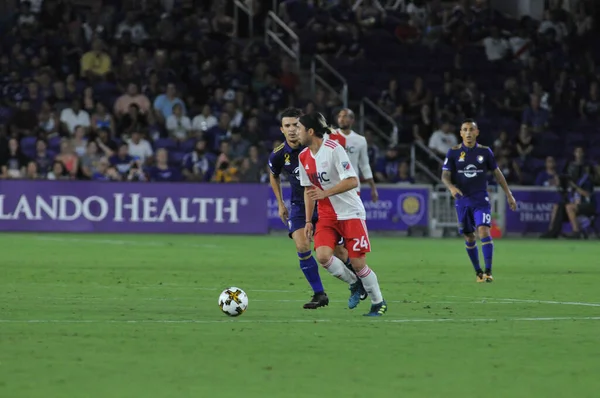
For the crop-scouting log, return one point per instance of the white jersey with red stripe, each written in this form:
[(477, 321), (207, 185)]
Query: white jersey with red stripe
[(358, 153), (325, 169), (337, 137)]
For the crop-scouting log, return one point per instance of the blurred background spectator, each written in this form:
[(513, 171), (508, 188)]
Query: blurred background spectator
[(167, 91)]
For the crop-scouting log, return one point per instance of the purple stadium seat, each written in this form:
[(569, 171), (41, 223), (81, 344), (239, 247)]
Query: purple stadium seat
[(187, 146), (165, 143), (28, 144), (54, 143)]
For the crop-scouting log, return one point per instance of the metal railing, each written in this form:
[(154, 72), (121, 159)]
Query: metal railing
[(390, 137), (418, 151), (247, 9), (315, 78), (272, 34)]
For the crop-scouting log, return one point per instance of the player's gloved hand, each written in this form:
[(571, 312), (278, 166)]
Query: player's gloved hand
[(308, 231), (283, 214), (512, 203), (456, 193)]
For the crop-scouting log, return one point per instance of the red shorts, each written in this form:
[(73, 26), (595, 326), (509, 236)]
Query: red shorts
[(354, 232)]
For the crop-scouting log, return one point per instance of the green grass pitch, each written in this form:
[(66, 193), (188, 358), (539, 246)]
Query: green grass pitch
[(107, 316)]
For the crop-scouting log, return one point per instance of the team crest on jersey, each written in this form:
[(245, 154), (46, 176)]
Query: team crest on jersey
[(462, 157), (286, 157), (346, 165), (480, 159)]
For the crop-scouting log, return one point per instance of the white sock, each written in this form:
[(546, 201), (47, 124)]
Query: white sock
[(371, 284), (336, 267)]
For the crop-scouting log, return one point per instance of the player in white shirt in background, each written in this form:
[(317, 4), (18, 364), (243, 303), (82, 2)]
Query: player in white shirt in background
[(357, 150), (329, 178)]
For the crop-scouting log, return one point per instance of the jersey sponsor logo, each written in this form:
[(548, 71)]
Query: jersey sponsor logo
[(470, 171), (480, 159), (286, 157), (461, 158), (297, 173), (318, 178), (346, 165)]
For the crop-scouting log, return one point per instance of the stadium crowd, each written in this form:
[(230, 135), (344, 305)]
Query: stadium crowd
[(169, 92)]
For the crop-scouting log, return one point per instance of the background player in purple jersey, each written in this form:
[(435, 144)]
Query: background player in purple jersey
[(285, 159), (465, 175)]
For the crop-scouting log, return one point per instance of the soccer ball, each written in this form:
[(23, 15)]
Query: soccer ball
[(233, 301)]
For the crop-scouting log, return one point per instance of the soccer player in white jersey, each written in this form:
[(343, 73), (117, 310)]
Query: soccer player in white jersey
[(329, 178), (357, 149)]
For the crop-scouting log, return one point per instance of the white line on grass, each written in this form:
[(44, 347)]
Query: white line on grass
[(120, 242), (385, 320), (515, 300)]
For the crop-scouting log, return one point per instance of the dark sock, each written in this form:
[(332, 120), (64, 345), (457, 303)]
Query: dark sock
[(473, 255), (348, 265), (487, 248), (309, 267)]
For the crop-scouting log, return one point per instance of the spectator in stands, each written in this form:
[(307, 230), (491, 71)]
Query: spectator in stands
[(43, 158), (496, 47), (31, 173), (88, 102), (370, 14), (96, 64), (524, 142), (589, 106), (391, 97), (24, 120), (122, 160), (132, 121), (179, 126), (417, 97), (48, 122), (162, 172), (106, 145), (387, 167), (132, 97), (239, 145), (446, 104), (403, 176), (75, 116), (535, 116), (225, 170), (513, 101), (252, 167), (549, 176), (68, 158), (90, 160), (58, 172), (503, 146), (14, 164), (521, 46), (133, 27), (164, 103), (204, 121), (79, 142), (198, 165), (442, 140), (139, 148), (510, 169), (218, 133)]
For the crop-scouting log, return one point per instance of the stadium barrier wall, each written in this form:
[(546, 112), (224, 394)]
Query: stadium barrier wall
[(534, 209), (87, 206), (81, 206)]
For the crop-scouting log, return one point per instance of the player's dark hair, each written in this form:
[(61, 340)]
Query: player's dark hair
[(290, 112), (317, 122), (469, 120)]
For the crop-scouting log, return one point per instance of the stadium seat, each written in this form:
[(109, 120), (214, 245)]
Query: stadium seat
[(166, 143), (28, 144), (188, 145)]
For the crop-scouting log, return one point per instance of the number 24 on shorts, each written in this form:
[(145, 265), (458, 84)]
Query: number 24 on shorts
[(360, 244)]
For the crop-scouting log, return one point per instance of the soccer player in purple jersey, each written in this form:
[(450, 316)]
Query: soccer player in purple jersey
[(465, 175)]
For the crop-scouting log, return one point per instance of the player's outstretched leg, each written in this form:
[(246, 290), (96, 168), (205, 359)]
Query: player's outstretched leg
[(310, 269), (487, 248), (371, 284), (334, 265), (473, 252), (341, 253), (311, 273)]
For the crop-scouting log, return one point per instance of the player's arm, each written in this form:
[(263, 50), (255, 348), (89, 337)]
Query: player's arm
[(365, 169), (499, 176), (447, 170), (275, 181)]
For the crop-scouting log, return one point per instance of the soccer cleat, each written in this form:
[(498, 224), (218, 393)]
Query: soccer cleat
[(355, 291), (487, 277), (480, 277), (363, 293), (317, 300), (378, 309)]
